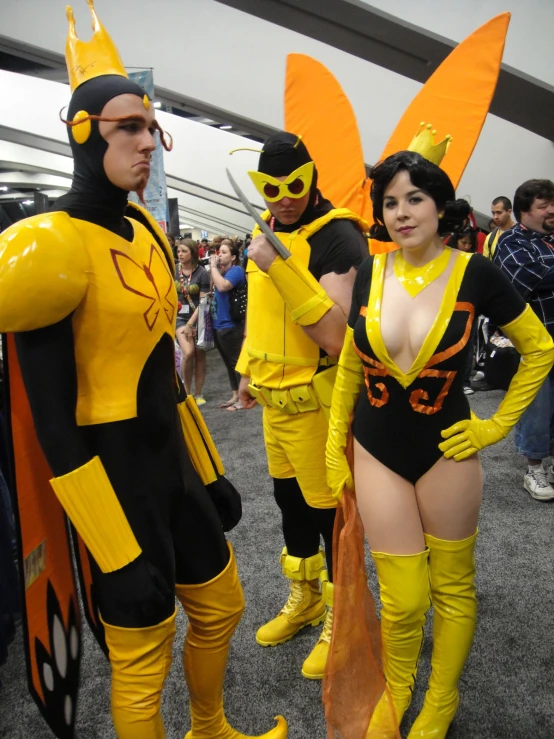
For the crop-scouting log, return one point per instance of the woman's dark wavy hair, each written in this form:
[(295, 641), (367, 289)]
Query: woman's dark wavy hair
[(427, 177)]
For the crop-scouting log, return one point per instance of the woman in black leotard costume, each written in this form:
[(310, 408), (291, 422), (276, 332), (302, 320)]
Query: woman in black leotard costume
[(417, 475)]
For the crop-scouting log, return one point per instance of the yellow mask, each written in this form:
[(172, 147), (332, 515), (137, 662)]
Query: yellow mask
[(295, 186)]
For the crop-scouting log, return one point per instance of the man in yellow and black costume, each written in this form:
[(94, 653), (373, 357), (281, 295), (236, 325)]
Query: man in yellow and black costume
[(96, 359), (296, 321)]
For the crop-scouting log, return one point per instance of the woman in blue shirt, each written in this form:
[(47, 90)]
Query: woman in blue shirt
[(226, 275)]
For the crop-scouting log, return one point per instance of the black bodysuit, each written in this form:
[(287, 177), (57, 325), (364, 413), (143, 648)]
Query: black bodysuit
[(400, 416)]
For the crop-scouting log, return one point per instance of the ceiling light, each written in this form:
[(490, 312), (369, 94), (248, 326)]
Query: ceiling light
[(226, 128), (157, 104), (3, 188), (27, 202)]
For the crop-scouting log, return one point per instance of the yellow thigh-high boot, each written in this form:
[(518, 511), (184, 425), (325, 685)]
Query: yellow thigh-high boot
[(214, 610), (404, 589), (452, 568), (140, 660)]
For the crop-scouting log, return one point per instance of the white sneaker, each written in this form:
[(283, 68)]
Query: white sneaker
[(550, 473), (468, 390), (537, 485)]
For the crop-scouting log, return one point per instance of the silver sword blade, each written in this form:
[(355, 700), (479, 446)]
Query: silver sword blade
[(253, 213)]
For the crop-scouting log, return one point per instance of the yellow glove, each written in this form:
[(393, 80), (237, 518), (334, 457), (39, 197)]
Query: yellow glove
[(350, 378), (535, 345)]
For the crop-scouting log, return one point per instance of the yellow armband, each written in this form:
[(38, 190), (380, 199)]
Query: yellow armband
[(89, 500), (43, 272), (306, 299), (200, 446)]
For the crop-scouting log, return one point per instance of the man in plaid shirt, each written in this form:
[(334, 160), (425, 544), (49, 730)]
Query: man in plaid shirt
[(525, 254)]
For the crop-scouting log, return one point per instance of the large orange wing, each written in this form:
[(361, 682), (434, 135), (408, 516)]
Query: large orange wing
[(455, 100), (317, 108), (457, 96)]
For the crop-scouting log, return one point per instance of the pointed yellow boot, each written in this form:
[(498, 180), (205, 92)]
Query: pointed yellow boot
[(214, 610), (404, 589), (304, 607), (140, 661), (314, 665), (452, 567)]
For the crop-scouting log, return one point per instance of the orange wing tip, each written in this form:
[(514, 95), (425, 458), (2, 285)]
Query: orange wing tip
[(424, 143)]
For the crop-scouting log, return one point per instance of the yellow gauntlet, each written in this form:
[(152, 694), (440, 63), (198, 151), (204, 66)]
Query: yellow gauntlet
[(535, 345), (350, 379), (306, 299), (200, 446), (89, 500)]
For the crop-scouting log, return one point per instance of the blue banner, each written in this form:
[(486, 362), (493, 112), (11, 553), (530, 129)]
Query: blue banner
[(155, 194)]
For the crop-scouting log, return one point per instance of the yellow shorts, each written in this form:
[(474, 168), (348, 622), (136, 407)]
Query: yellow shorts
[(295, 446)]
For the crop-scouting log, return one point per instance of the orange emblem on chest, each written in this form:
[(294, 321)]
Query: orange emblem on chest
[(152, 281)]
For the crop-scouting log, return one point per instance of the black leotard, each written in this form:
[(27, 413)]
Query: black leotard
[(399, 418)]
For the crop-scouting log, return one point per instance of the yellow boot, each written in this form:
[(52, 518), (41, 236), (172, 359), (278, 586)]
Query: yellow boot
[(452, 568), (304, 607), (404, 589), (140, 661), (314, 665), (214, 609)]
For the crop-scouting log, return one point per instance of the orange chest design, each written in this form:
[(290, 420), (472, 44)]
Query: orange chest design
[(151, 281), (130, 303), (419, 399)]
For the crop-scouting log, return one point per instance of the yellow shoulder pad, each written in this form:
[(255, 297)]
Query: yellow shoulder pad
[(43, 272)]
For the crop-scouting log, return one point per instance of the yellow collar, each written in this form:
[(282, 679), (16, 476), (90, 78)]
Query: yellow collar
[(415, 279)]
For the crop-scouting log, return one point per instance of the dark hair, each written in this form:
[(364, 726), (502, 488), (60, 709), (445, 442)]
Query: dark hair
[(429, 178), (192, 246), (506, 202), (527, 193), (455, 238)]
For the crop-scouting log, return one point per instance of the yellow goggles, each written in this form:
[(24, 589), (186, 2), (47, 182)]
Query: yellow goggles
[(295, 186)]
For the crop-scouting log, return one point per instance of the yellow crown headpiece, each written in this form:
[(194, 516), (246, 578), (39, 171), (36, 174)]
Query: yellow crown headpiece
[(88, 59), (424, 143)]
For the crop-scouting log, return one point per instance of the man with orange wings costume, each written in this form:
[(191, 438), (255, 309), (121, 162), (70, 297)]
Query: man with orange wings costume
[(103, 432), (456, 99)]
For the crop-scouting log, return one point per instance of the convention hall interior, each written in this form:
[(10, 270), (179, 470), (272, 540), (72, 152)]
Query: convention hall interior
[(219, 71)]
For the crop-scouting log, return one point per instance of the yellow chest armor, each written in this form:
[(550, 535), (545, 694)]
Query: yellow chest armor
[(281, 355), (129, 304)]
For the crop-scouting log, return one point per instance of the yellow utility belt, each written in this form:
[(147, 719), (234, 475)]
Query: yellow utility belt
[(291, 361), (301, 398)]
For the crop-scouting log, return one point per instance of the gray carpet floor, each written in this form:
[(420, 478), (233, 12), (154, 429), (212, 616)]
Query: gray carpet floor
[(507, 688)]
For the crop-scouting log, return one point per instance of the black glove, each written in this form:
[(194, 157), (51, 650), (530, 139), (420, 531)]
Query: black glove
[(227, 500), (137, 595)]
